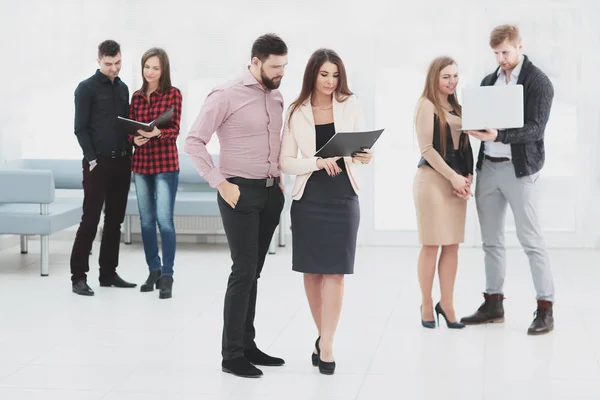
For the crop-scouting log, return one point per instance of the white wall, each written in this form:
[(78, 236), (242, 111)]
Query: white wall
[(49, 46), (208, 42)]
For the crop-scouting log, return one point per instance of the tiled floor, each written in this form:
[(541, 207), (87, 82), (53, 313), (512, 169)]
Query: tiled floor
[(126, 345)]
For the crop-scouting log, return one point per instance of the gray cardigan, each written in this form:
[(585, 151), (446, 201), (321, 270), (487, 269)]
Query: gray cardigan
[(527, 143)]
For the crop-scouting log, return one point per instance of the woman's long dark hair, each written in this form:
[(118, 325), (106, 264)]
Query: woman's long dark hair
[(315, 62), (164, 83)]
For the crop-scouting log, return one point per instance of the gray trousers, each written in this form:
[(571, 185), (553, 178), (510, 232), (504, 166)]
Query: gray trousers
[(497, 186)]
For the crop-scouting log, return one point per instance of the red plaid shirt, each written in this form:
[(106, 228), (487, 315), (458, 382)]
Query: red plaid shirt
[(159, 154)]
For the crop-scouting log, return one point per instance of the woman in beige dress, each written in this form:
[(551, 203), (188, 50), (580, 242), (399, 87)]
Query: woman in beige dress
[(441, 188)]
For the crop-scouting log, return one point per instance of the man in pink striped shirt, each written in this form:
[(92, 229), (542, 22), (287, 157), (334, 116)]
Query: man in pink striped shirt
[(247, 115)]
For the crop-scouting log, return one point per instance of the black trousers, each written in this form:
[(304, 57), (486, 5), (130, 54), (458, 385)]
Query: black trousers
[(249, 229), (107, 185)]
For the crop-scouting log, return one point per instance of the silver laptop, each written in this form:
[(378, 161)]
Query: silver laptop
[(494, 107)]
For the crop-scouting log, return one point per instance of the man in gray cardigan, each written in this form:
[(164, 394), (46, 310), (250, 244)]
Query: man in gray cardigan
[(507, 171)]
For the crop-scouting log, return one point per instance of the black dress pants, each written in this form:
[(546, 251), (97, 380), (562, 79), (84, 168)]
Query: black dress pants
[(107, 185), (249, 229)]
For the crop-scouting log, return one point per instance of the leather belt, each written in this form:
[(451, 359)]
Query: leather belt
[(116, 154), (268, 182), (496, 159)]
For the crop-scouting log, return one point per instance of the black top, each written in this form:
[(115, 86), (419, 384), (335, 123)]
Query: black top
[(527, 143), (460, 160), (98, 102), (324, 133)]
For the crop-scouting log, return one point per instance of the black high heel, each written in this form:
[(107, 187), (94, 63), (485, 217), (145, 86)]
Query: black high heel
[(315, 357), (451, 325), (326, 368), (151, 282), (427, 324)]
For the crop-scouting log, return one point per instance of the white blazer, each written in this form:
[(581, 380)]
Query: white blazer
[(299, 134)]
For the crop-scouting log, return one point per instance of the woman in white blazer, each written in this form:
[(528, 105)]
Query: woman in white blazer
[(325, 212)]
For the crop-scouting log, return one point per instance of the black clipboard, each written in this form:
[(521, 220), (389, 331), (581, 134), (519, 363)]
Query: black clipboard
[(131, 126), (345, 144)]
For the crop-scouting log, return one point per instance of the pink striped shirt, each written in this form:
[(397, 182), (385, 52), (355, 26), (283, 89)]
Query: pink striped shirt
[(248, 121)]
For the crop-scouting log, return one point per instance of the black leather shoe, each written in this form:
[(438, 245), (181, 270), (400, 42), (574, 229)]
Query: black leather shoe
[(152, 281), (257, 357), (82, 288), (240, 367), (492, 310), (544, 320), (116, 281), (165, 284)]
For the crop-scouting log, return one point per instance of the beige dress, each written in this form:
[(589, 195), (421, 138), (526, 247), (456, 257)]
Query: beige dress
[(440, 213)]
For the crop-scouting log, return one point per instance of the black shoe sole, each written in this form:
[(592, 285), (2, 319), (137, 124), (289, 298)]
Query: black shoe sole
[(487, 321), (273, 364), (268, 365), (327, 372), (532, 333), (121, 287), (83, 293), (227, 370), (165, 296)]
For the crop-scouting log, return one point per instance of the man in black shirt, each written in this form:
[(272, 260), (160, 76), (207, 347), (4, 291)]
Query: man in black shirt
[(106, 168)]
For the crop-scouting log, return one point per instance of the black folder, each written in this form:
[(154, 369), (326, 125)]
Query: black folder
[(345, 144), (127, 125)]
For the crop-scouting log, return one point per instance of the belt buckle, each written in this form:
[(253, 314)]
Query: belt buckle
[(270, 182)]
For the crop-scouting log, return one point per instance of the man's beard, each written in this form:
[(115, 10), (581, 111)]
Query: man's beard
[(269, 83), (511, 66)]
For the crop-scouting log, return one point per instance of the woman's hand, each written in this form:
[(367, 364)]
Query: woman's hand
[(468, 193), (464, 195), (140, 140), (364, 157), (329, 165), (149, 135), (461, 185)]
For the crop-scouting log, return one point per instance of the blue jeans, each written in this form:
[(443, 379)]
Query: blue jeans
[(156, 201)]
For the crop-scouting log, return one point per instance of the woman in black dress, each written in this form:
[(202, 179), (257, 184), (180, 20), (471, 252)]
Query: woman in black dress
[(325, 212)]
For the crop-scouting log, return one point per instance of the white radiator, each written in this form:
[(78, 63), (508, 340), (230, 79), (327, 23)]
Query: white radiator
[(202, 230), (189, 225)]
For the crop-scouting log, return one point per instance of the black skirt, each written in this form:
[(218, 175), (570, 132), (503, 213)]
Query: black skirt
[(325, 225)]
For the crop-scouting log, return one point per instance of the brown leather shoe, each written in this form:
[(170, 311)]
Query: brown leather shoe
[(490, 311), (544, 320)]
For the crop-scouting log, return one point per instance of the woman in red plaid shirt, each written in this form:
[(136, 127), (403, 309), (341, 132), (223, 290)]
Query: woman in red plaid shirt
[(155, 165)]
